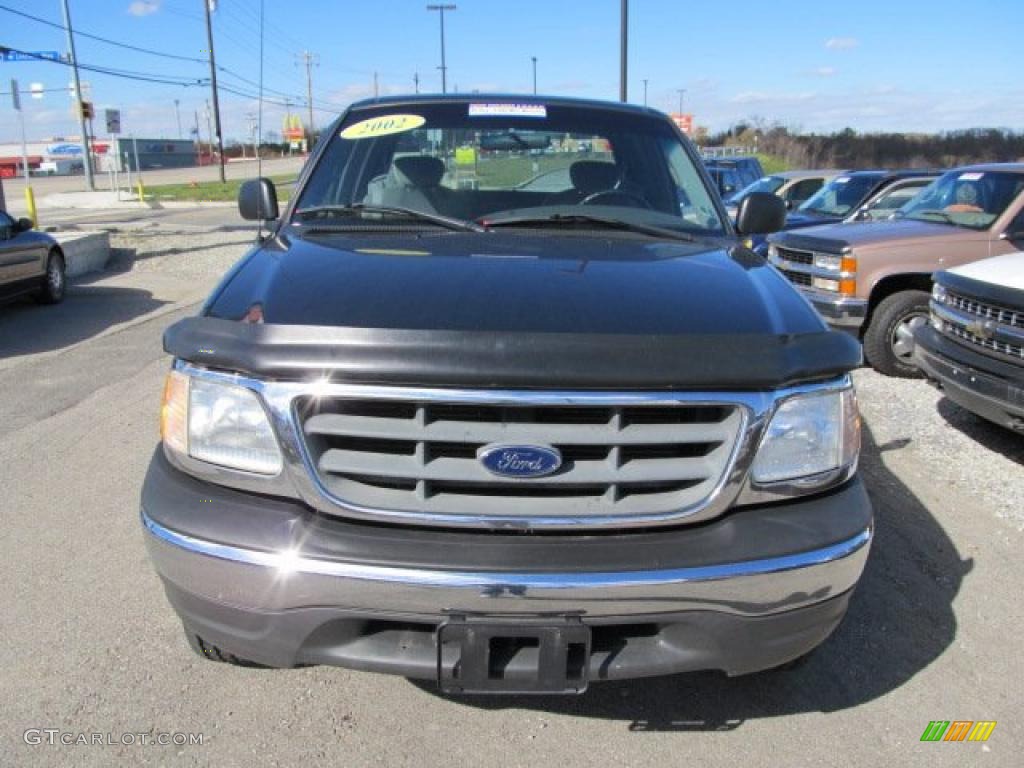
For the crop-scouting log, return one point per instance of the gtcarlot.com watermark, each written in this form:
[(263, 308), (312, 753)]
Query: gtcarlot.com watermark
[(56, 736)]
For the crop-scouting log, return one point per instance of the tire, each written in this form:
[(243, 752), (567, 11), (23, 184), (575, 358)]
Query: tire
[(888, 340), (55, 282)]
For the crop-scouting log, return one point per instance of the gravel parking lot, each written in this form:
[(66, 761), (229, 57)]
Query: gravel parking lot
[(92, 647)]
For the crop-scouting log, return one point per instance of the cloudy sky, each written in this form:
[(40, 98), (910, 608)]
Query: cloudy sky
[(873, 65)]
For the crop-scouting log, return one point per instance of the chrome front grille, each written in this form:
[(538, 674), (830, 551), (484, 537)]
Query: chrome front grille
[(981, 324), (1005, 348), (420, 456), (797, 278), (1000, 315), (794, 256)]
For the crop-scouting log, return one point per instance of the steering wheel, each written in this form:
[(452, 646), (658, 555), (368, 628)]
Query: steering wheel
[(615, 197)]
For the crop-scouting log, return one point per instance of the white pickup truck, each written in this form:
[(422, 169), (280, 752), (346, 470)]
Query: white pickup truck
[(973, 347)]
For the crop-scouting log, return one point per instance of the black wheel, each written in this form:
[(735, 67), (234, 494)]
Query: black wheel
[(889, 339), (52, 290), (213, 653)]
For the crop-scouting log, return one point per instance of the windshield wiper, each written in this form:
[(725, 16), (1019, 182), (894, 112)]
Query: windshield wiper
[(357, 209), (934, 212), (589, 218)]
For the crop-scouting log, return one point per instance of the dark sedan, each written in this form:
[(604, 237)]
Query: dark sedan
[(31, 262)]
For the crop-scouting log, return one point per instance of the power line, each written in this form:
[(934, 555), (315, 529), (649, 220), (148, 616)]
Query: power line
[(106, 40), (122, 73)]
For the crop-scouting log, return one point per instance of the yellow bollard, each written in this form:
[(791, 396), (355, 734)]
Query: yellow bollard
[(30, 202), (142, 192)]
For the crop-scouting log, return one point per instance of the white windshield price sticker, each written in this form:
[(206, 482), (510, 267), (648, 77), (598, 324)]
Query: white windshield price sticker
[(508, 110), (969, 176)]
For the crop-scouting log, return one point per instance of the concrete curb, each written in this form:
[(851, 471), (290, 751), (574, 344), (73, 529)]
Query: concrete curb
[(84, 251)]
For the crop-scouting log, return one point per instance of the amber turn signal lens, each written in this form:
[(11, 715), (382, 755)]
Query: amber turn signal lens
[(174, 412), (848, 287)]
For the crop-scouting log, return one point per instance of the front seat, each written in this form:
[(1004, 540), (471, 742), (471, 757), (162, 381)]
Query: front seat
[(414, 181), (587, 177)]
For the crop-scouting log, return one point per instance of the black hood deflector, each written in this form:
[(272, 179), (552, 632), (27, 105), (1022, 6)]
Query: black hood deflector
[(551, 361)]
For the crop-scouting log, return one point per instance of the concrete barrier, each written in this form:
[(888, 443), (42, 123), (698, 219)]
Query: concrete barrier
[(84, 251)]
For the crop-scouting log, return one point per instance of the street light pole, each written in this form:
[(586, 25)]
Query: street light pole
[(681, 92), (645, 91), (213, 86), (86, 154), (534, 75), (444, 66), (623, 48), (177, 114)]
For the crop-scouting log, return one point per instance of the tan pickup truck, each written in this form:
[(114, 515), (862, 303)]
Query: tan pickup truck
[(874, 278)]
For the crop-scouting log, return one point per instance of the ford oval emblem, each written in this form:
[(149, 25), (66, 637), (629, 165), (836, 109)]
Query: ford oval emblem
[(522, 461)]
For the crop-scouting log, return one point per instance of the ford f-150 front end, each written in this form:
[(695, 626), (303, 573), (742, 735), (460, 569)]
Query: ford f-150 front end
[(504, 433)]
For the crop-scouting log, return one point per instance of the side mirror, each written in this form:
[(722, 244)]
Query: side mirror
[(1013, 237), (24, 225), (760, 213), (791, 204), (257, 200)]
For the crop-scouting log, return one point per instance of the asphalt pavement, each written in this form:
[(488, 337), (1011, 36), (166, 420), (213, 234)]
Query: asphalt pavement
[(91, 645)]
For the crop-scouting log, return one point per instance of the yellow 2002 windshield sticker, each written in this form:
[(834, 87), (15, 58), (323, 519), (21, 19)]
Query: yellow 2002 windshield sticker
[(382, 126)]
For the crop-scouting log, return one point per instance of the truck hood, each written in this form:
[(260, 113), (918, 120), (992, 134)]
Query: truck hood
[(1006, 270), (513, 310), (858, 235), (504, 282)]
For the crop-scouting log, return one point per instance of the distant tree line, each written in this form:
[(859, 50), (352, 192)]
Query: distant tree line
[(850, 149)]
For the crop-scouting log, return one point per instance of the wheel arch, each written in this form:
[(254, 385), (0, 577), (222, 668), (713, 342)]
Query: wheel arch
[(890, 284)]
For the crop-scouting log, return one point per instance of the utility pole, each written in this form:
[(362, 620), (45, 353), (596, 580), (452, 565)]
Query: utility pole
[(416, 81), (213, 85), (645, 91), (682, 93), (376, 89), (444, 66), (86, 153), (623, 46), (177, 114), (310, 59), (534, 58)]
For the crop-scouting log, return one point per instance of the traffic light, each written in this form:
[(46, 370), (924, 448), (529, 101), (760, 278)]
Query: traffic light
[(87, 111)]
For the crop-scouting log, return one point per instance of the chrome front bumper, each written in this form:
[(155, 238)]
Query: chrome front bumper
[(283, 580), (839, 312), (271, 581)]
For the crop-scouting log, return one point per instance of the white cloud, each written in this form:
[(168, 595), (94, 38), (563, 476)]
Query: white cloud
[(144, 7), (764, 97), (842, 43), (824, 71)]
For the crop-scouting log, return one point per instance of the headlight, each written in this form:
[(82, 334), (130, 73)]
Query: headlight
[(218, 423), (824, 284), (828, 261), (938, 294), (808, 436)]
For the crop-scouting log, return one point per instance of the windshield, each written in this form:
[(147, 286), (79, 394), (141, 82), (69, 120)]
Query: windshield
[(972, 199), (841, 195), (482, 162), (769, 184)]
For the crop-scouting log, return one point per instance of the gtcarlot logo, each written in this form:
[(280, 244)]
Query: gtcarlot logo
[(54, 736), (958, 730)]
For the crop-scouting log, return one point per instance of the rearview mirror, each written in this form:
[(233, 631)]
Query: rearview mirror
[(24, 225), (257, 200), (760, 213)]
